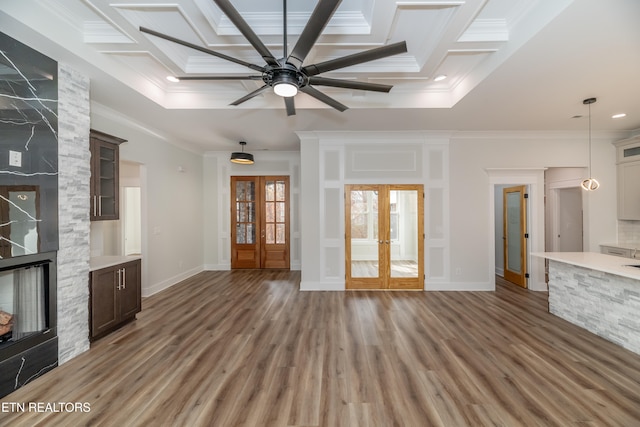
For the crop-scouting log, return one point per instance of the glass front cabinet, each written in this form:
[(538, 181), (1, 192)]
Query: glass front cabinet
[(104, 176)]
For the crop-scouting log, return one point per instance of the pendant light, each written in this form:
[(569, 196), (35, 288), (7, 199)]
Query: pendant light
[(240, 157), (590, 184)]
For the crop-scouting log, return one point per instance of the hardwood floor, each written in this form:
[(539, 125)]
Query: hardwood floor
[(247, 348)]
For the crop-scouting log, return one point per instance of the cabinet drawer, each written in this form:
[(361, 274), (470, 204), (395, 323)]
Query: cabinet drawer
[(612, 250)]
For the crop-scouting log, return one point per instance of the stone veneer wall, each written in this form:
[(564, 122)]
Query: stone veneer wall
[(73, 209), (603, 303)]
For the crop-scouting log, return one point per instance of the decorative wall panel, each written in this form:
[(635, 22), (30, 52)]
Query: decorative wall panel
[(28, 150)]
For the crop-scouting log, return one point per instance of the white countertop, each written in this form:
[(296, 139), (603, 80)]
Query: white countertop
[(596, 261), (99, 262)]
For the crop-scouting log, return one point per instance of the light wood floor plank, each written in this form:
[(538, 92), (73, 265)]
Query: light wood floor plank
[(247, 348)]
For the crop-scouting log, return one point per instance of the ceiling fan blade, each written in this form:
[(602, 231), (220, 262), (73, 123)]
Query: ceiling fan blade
[(219, 78), (290, 104), (317, 21), (356, 58), (202, 49), (250, 95), (235, 17), (349, 84), (324, 98)]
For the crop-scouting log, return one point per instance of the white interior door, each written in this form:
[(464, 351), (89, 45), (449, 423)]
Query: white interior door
[(570, 219)]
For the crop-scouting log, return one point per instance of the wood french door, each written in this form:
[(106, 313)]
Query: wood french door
[(384, 245), (259, 222), (515, 234)]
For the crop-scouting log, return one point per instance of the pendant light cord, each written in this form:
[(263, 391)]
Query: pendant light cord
[(589, 140), (590, 183)]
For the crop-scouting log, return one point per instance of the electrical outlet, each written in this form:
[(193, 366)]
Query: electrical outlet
[(15, 158)]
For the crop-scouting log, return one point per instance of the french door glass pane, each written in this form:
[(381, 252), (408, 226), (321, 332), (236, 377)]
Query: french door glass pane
[(269, 193), (280, 234), (403, 223), (280, 212), (251, 234), (364, 230), (270, 234), (270, 211), (275, 212), (513, 232), (240, 191), (245, 212), (240, 234), (280, 191)]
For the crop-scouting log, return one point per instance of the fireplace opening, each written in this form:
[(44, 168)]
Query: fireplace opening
[(27, 302)]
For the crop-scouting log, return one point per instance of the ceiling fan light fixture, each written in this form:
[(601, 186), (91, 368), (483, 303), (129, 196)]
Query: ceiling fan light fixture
[(285, 89), (240, 157)]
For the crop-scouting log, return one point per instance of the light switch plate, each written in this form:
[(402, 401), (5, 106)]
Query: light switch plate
[(15, 158)]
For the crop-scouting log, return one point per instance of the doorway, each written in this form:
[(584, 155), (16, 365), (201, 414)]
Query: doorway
[(260, 222), (515, 234), (569, 221), (384, 247)]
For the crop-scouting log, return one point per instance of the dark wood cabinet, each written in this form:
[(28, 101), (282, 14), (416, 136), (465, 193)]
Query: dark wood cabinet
[(105, 184), (114, 297)]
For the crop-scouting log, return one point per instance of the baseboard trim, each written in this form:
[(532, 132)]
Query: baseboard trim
[(165, 284)]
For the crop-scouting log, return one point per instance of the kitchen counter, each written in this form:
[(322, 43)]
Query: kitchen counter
[(100, 262), (596, 261), (597, 292)]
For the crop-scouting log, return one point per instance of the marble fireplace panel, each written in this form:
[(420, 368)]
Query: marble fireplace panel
[(28, 150)]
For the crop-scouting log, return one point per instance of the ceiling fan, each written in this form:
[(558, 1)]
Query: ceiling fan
[(287, 75)]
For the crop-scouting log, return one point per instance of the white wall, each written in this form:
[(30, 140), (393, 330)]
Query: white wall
[(473, 164), (172, 205), (217, 172), (476, 156), (330, 160)]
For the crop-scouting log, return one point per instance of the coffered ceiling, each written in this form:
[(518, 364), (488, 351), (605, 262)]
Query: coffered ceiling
[(509, 64)]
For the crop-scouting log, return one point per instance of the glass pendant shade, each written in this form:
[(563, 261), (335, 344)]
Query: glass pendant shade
[(590, 184)]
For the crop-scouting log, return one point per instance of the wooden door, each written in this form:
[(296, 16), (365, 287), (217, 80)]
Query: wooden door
[(515, 234), (260, 222), (384, 236), (274, 222), (364, 247)]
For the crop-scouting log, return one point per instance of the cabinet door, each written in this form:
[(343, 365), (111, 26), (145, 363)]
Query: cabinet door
[(629, 191), (104, 308), (105, 161), (129, 293)]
